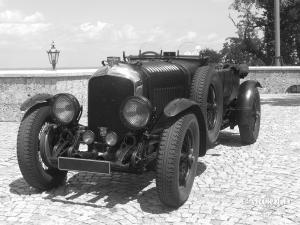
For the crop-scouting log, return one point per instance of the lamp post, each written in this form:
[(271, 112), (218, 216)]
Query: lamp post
[(277, 32), (277, 58), (53, 55)]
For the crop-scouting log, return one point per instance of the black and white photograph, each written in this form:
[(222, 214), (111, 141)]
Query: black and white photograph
[(150, 112)]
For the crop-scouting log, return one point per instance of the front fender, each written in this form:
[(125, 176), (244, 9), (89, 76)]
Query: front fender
[(34, 100), (245, 99), (176, 109), (177, 106)]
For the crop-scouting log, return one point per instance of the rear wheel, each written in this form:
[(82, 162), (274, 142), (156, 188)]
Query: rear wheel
[(36, 173), (177, 161), (207, 91), (250, 130)]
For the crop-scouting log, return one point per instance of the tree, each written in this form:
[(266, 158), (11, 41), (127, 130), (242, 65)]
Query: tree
[(235, 51), (255, 29), (212, 55)]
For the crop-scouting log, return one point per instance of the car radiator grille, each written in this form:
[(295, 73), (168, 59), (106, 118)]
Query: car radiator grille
[(105, 96), (162, 96)]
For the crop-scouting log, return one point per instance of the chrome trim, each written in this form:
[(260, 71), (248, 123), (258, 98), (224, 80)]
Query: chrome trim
[(138, 90), (125, 71)]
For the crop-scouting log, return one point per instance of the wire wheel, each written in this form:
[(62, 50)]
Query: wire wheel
[(186, 159), (207, 90), (211, 107), (35, 170), (177, 160)]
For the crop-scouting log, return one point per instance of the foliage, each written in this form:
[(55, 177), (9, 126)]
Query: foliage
[(255, 29), (212, 55), (235, 51)]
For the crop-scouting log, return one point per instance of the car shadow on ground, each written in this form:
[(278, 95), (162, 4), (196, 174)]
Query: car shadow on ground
[(149, 201), (229, 139), (288, 100), (226, 138), (104, 191)]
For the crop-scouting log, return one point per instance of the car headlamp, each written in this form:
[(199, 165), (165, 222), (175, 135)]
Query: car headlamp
[(111, 138), (88, 137), (65, 108), (136, 112)]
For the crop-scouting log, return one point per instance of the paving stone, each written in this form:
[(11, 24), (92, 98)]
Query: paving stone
[(256, 184)]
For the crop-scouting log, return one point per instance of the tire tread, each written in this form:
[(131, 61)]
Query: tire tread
[(26, 153)]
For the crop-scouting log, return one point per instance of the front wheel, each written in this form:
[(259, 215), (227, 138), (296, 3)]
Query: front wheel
[(36, 173), (177, 161)]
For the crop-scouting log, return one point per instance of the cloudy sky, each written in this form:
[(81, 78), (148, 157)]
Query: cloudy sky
[(87, 31)]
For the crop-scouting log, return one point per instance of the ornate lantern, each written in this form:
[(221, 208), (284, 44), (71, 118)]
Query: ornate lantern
[(53, 55)]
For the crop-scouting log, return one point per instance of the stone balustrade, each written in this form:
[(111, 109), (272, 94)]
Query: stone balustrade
[(17, 85), (275, 80)]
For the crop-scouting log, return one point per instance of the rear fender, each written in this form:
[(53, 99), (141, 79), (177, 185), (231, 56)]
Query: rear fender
[(245, 100), (178, 108), (34, 100)]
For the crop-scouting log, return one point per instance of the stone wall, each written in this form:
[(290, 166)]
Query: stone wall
[(17, 86), (275, 80)]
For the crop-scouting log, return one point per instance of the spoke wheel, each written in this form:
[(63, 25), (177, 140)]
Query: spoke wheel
[(33, 167), (186, 159), (207, 90), (211, 107), (177, 160)]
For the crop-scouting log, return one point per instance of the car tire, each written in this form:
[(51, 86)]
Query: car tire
[(177, 161), (206, 84), (35, 173), (249, 131)]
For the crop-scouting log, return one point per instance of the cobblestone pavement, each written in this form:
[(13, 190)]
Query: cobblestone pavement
[(256, 184)]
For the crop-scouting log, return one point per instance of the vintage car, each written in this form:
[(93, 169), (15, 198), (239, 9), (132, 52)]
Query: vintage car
[(156, 111)]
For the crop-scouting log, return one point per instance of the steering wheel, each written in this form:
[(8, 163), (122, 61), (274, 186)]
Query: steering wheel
[(150, 53)]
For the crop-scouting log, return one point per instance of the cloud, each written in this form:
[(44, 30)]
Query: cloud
[(14, 23), (129, 37), (156, 34), (15, 16), (91, 30), (106, 31), (189, 36), (128, 32), (36, 17), (211, 36), (9, 16), (1, 3), (22, 29)]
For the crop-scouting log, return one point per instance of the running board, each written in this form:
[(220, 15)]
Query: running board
[(86, 165)]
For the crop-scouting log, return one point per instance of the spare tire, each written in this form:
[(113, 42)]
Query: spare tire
[(207, 90)]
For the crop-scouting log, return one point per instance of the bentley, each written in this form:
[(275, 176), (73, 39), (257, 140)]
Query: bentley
[(152, 111)]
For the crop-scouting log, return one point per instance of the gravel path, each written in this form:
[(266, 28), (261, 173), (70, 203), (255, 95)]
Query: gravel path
[(256, 184)]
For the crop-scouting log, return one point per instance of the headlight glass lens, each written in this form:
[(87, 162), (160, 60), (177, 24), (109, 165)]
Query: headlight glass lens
[(111, 139), (88, 137), (64, 109), (136, 112)]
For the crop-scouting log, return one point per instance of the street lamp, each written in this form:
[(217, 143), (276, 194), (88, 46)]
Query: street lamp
[(53, 55), (278, 58)]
